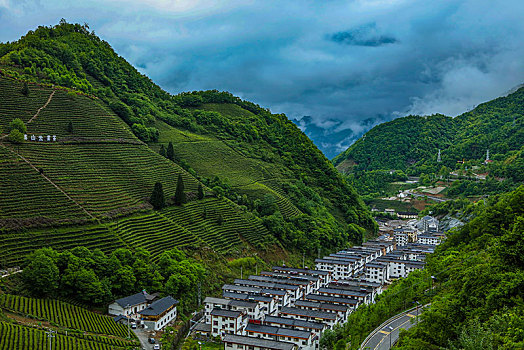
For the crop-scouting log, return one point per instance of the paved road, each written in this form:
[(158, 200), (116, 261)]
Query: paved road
[(380, 340), (143, 336)]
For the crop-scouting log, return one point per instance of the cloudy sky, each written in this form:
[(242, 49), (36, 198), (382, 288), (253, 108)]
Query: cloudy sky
[(347, 65)]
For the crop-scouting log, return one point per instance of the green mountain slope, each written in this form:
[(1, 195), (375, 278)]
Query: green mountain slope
[(412, 143), (263, 178)]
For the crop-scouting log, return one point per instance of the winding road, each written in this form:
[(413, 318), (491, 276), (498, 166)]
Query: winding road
[(383, 337)]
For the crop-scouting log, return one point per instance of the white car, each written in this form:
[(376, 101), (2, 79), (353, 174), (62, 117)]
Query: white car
[(156, 347)]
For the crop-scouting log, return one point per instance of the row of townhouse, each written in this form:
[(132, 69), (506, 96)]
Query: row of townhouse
[(290, 308), (273, 310)]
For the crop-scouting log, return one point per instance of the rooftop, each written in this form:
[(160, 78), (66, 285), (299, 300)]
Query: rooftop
[(159, 306), (283, 332), (293, 322), (225, 313), (321, 306), (308, 313), (263, 343), (132, 300)]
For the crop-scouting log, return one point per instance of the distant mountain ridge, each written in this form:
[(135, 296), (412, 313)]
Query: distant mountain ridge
[(413, 142)]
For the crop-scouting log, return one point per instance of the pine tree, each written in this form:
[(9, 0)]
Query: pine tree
[(157, 197), (170, 152), (200, 191), (162, 151), (180, 195), (25, 89), (70, 127)]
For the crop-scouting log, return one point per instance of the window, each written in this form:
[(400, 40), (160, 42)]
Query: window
[(229, 345)]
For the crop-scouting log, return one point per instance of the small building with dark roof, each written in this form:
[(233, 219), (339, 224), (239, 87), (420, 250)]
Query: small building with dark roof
[(157, 315), (130, 305)]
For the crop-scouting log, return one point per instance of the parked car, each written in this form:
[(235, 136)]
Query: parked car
[(151, 340), (133, 325), (156, 347)]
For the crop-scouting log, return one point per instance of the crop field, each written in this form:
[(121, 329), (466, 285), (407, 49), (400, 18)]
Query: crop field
[(15, 105), (106, 177), (14, 246), (203, 219), (63, 314), (26, 194), (87, 116), (18, 337), (154, 232)]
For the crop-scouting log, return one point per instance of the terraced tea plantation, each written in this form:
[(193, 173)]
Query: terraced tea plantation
[(16, 105), (63, 314), (14, 246), (18, 337), (218, 223), (26, 194), (106, 177), (88, 117), (154, 232)]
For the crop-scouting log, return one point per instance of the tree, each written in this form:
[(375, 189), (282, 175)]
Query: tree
[(200, 191), (70, 127), (41, 275), (16, 136), (162, 151), (170, 153), (180, 195), (157, 197), (17, 124), (25, 89)]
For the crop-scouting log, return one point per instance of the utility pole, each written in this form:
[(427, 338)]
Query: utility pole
[(128, 329), (303, 259), (50, 336), (199, 293), (241, 272)]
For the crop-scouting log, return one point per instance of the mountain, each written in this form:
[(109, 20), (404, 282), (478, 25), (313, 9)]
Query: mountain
[(264, 182), (411, 143)]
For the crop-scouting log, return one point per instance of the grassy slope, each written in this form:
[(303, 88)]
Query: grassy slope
[(88, 165)]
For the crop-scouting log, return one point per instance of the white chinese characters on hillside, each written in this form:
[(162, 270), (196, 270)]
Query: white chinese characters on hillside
[(41, 138)]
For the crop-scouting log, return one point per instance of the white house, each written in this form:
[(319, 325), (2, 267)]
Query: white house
[(130, 305), (157, 315), (226, 322)]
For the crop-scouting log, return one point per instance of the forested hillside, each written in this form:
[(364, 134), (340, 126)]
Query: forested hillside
[(246, 176), (478, 279), (411, 143)]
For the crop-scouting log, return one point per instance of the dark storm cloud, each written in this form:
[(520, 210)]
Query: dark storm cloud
[(346, 64), (363, 36)]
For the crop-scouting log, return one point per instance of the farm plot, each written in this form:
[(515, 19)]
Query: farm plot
[(88, 118), (153, 232), (218, 223), (18, 337), (16, 105), (14, 246), (63, 314), (26, 194), (107, 178)]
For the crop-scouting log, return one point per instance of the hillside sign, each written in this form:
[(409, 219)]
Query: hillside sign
[(40, 138)]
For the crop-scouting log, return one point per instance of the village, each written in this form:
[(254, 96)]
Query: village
[(289, 308)]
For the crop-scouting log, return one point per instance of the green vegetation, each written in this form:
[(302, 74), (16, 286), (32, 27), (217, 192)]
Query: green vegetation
[(19, 337), (411, 144), (478, 301), (157, 197), (92, 277), (63, 314), (201, 132)]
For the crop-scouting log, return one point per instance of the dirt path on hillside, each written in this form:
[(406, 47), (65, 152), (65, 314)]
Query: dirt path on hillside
[(49, 180), (40, 109)]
